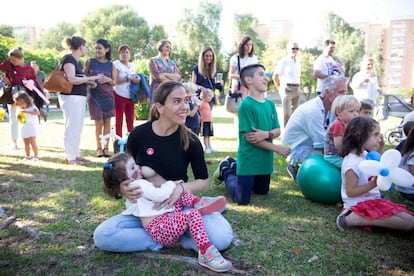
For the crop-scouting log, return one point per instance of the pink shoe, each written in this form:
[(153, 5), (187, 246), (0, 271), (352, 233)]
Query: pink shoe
[(208, 205)]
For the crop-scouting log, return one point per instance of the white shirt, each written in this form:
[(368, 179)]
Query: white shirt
[(243, 63), (308, 125), (351, 162), (123, 88), (367, 90), (150, 195), (288, 70), (324, 64)]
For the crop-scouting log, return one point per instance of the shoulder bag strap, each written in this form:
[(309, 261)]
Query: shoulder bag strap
[(60, 66), (211, 84)]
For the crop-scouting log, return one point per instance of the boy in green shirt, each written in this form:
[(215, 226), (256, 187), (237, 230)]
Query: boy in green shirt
[(258, 125)]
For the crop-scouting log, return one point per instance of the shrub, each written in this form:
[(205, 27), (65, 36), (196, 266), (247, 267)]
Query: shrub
[(142, 111)]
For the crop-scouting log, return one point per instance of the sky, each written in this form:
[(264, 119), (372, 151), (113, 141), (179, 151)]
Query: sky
[(307, 15)]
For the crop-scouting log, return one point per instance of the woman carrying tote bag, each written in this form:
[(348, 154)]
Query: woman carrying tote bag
[(73, 105)]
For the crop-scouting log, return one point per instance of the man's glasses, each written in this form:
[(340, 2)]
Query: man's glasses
[(295, 49)]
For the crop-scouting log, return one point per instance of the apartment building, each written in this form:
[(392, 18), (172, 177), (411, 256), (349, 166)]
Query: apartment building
[(396, 39), (398, 54)]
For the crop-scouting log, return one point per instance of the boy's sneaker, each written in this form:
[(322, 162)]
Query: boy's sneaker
[(208, 205), (230, 159), (228, 162), (212, 259), (292, 171), (217, 173)]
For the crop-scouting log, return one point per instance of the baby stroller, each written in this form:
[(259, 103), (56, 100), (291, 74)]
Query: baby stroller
[(394, 105)]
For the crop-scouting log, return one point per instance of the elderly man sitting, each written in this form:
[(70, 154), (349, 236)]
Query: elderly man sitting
[(307, 127)]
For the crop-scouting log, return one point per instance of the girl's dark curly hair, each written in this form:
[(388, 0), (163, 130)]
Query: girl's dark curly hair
[(114, 173), (357, 133)]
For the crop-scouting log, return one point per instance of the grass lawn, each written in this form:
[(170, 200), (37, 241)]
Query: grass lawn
[(282, 233)]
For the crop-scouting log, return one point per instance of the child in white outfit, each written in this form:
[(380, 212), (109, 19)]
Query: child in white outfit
[(28, 118)]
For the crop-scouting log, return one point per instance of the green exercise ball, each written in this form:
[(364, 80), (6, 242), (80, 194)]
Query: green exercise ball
[(319, 181)]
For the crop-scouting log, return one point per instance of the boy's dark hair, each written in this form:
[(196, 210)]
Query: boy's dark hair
[(357, 133), (249, 70), (367, 104), (407, 127), (114, 173)]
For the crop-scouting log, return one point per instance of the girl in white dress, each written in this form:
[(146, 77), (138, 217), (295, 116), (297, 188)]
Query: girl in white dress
[(28, 117)]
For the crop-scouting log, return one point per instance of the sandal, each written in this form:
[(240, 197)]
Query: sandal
[(106, 152), (74, 162), (100, 153)]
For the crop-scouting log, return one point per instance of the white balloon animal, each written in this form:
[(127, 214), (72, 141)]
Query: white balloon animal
[(387, 170)]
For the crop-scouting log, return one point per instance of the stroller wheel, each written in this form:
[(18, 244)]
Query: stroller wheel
[(394, 137)]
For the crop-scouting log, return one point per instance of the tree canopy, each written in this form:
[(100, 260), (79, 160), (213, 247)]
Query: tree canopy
[(121, 24), (199, 27)]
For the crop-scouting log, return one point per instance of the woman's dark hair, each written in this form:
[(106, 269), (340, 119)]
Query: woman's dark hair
[(160, 96), (357, 133), (106, 45), (240, 49), (407, 150), (73, 43), (114, 173)]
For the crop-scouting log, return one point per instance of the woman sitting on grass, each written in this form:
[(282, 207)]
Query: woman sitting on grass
[(168, 224), (166, 145)]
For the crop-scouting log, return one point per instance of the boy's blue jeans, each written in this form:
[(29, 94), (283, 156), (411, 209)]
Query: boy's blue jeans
[(241, 187)]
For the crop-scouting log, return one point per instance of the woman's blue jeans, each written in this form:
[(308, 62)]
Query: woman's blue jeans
[(124, 233)]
